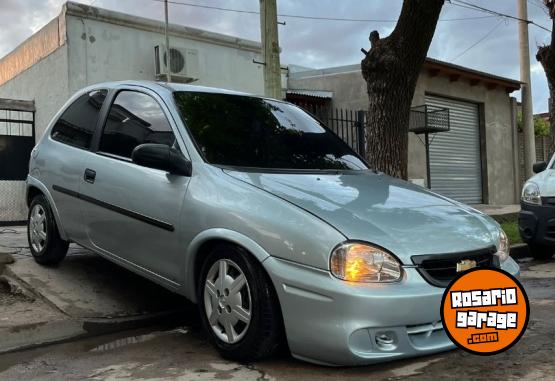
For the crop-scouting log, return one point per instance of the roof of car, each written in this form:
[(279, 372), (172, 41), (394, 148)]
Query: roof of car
[(153, 85)]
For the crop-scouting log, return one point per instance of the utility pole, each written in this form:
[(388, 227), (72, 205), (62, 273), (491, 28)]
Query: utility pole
[(525, 78), (168, 51), (270, 48)]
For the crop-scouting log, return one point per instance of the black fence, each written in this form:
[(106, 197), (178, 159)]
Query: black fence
[(347, 124), (17, 138)]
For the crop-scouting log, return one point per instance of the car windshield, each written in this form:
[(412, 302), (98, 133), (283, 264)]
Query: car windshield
[(243, 131)]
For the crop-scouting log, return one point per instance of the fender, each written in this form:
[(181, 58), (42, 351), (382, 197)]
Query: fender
[(32, 181), (221, 234)]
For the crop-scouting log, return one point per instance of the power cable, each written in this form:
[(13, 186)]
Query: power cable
[(542, 7), (309, 17), (477, 42), (467, 5)]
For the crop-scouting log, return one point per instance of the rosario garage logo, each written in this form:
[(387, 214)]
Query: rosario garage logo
[(485, 311)]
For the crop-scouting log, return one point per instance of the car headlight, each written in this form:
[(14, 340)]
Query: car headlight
[(503, 247), (359, 262), (531, 194)]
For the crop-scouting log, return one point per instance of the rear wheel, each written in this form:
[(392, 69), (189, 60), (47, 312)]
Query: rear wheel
[(238, 306), (541, 251), (42, 233)]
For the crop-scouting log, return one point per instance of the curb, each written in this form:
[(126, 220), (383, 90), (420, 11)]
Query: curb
[(500, 218), (67, 328), (520, 250), (34, 335), (17, 338)]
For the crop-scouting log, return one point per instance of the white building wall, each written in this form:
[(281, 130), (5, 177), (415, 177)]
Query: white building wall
[(46, 83), (103, 51)]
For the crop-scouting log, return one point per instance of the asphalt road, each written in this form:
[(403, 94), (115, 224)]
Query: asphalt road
[(182, 353)]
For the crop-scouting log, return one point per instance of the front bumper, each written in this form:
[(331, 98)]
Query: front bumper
[(332, 322), (536, 224)]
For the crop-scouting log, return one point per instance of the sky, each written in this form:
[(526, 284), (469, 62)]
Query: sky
[(487, 44)]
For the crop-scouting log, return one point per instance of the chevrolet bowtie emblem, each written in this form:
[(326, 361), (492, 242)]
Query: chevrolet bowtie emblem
[(465, 264)]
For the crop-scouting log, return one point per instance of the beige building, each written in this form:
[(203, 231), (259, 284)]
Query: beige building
[(475, 162)]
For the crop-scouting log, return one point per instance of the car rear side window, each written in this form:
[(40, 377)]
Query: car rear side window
[(77, 124), (134, 118)]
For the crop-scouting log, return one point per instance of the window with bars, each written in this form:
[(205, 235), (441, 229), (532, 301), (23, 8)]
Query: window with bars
[(16, 123)]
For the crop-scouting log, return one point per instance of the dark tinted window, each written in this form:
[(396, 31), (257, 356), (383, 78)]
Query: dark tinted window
[(134, 119), (252, 132), (77, 124)]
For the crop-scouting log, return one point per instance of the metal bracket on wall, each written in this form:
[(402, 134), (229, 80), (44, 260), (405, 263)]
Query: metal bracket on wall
[(264, 63), (428, 120)]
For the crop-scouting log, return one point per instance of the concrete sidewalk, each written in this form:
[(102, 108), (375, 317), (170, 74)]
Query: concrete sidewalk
[(85, 295), (499, 211)]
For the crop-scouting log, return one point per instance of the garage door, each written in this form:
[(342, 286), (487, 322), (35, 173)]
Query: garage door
[(455, 166)]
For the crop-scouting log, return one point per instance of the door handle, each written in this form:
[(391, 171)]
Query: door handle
[(89, 176)]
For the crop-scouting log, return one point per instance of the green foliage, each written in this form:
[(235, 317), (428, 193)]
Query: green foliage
[(541, 127), (511, 229)]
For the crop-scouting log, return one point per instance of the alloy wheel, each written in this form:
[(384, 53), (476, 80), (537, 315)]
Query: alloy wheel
[(227, 301), (37, 228)]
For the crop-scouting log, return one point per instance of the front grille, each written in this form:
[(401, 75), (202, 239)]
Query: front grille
[(440, 269)]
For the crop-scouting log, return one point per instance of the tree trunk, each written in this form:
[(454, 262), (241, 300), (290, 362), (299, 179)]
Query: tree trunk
[(546, 57), (391, 69)]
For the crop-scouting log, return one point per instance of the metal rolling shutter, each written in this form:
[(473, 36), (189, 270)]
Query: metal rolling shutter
[(455, 165)]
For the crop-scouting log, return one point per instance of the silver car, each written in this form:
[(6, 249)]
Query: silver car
[(258, 213)]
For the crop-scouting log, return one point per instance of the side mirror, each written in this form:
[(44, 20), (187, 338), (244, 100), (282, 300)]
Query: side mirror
[(161, 156), (539, 167)]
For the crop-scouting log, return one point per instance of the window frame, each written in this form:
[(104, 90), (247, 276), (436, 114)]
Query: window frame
[(110, 99), (98, 120)]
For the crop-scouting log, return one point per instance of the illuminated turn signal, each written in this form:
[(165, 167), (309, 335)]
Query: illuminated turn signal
[(358, 262)]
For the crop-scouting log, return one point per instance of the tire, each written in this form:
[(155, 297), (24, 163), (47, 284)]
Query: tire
[(541, 252), (42, 234), (250, 341)]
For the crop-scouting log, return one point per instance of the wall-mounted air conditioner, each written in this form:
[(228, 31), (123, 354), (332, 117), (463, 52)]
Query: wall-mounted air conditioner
[(184, 64)]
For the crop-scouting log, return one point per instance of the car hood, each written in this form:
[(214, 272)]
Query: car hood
[(545, 181), (401, 217)]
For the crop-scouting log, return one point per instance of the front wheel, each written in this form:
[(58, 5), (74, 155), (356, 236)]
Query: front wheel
[(238, 305), (42, 233)]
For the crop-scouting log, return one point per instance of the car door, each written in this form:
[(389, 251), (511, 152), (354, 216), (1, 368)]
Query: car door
[(133, 211), (61, 160)]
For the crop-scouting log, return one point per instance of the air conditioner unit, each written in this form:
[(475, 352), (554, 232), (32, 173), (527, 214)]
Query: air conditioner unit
[(184, 64)]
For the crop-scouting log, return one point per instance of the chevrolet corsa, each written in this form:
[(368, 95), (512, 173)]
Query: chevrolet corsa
[(258, 213)]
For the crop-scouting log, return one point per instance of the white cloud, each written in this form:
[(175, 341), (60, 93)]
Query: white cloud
[(317, 43)]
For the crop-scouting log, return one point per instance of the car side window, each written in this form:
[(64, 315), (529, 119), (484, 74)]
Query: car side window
[(77, 124), (134, 118)]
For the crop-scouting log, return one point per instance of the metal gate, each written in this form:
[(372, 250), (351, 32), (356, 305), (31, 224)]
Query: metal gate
[(347, 124), (455, 161), (17, 139)]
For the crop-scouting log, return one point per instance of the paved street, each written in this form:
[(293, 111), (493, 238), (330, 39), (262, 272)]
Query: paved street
[(180, 351)]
